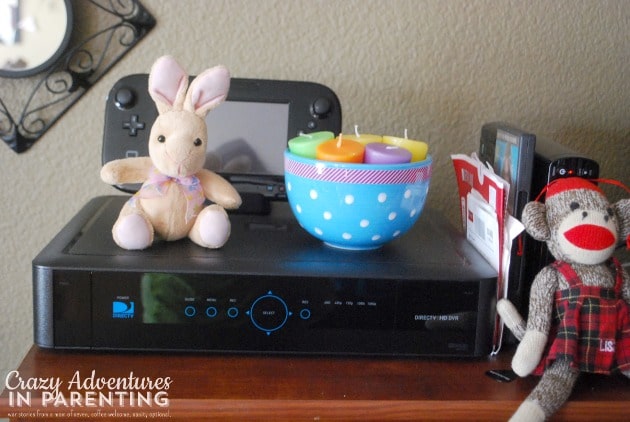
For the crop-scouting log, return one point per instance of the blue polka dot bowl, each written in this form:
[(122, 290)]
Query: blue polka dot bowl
[(356, 206)]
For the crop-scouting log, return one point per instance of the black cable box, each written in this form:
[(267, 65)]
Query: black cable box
[(271, 289), (552, 161)]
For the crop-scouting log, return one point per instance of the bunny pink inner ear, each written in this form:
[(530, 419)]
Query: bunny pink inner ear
[(168, 96), (208, 90), (167, 81)]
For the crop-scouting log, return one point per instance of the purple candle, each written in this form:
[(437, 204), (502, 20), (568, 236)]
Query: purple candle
[(378, 153)]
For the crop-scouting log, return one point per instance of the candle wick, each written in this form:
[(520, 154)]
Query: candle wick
[(405, 133), (356, 131), (339, 141)]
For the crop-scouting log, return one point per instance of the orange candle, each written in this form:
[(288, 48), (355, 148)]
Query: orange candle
[(340, 150)]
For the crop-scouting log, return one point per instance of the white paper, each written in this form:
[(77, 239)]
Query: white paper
[(482, 228)]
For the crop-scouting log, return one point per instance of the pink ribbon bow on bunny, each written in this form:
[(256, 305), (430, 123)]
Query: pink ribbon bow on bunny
[(158, 183)]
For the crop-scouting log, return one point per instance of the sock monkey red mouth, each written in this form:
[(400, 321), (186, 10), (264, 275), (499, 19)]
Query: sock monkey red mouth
[(590, 237)]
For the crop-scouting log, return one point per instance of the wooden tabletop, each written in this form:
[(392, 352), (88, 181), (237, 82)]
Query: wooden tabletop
[(244, 387)]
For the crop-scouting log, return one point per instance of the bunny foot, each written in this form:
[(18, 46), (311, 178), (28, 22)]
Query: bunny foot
[(133, 232), (212, 228)]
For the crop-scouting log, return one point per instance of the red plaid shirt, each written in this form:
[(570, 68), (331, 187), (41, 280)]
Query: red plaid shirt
[(591, 325)]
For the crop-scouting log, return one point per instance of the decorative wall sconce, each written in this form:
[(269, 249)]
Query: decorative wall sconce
[(52, 52)]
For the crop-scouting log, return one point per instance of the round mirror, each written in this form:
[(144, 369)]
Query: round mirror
[(33, 35)]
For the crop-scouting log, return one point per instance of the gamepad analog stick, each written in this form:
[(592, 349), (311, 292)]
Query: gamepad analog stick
[(321, 107), (124, 98)]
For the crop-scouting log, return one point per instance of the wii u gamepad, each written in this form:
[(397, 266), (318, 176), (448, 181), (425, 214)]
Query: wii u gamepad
[(247, 134)]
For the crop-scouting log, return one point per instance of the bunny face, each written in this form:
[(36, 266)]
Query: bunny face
[(178, 139), (177, 143)]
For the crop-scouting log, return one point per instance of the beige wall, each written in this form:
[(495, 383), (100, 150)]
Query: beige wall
[(439, 68)]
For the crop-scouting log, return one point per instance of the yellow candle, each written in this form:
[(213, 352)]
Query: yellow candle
[(418, 149), (340, 150), (363, 138)]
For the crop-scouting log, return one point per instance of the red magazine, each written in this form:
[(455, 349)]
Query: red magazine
[(483, 199)]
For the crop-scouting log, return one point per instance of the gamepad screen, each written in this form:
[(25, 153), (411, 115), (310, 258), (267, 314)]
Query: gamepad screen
[(247, 138)]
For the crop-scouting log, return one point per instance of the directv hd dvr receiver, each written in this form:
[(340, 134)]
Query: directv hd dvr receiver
[(271, 289)]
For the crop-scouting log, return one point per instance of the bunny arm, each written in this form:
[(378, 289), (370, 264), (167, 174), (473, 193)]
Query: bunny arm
[(218, 190), (126, 170)]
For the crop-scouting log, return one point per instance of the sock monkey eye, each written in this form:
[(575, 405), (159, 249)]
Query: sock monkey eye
[(197, 142), (574, 206), (610, 211), (161, 139)]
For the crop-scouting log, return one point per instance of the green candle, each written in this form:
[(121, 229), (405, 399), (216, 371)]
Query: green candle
[(306, 144)]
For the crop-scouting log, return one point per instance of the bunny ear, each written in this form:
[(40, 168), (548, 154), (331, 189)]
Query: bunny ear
[(208, 90), (167, 84)]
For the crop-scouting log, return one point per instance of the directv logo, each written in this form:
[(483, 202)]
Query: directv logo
[(122, 310)]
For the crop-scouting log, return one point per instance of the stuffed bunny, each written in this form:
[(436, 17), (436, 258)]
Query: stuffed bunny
[(579, 312), (170, 203)]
